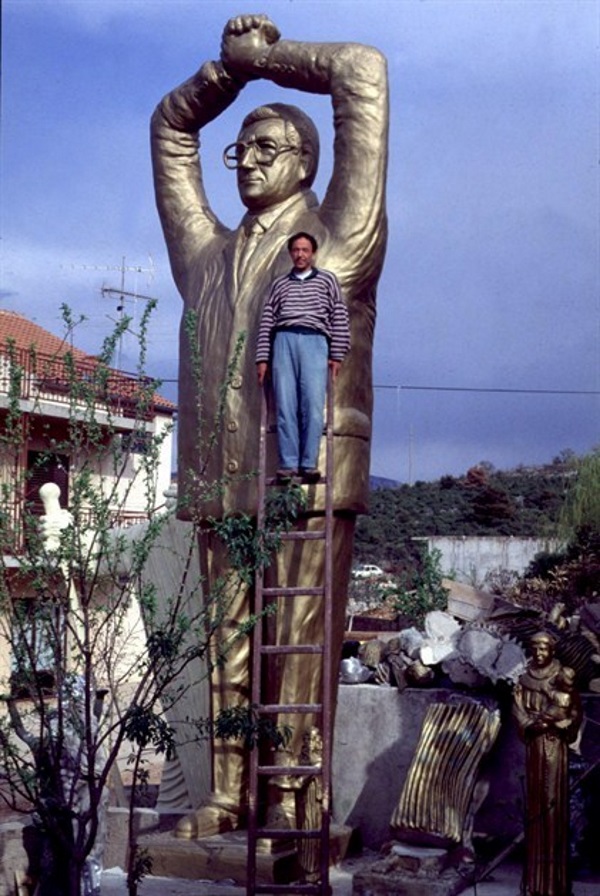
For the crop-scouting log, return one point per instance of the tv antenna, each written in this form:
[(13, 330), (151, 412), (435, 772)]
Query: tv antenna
[(123, 295)]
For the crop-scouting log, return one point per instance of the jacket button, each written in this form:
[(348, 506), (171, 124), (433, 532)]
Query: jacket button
[(236, 381), (232, 426), (232, 466)]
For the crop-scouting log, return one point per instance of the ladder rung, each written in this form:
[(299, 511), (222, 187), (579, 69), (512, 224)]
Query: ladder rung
[(303, 536), (296, 480), (291, 648), (295, 771), (294, 592), (272, 429), (268, 708), (291, 833), (289, 888)]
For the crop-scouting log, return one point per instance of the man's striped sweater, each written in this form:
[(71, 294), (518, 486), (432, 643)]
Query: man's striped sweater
[(314, 302)]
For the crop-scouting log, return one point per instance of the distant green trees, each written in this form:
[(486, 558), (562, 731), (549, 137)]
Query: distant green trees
[(526, 501), (571, 575), (561, 499), (581, 510)]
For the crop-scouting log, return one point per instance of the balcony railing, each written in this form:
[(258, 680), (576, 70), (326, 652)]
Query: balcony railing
[(69, 380), (15, 524)]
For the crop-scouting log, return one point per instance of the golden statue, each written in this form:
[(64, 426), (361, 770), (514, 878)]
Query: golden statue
[(223, 276), (309, 807), (548, 713)]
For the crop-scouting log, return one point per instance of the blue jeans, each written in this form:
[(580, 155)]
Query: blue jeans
[(299, 372)]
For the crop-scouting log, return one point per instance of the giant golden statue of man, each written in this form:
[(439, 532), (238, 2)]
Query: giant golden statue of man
[(223, 276)]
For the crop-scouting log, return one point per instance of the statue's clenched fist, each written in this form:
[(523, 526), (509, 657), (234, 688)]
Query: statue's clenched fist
[(245, 40)]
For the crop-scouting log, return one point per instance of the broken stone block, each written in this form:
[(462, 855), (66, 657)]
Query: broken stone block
[(441, 631), (411, 641), (463, 673), (467, 603)]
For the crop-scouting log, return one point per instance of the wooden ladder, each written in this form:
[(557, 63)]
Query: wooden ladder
[(263, 651)]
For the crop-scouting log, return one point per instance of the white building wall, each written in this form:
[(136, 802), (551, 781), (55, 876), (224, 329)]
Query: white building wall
[(133, 493), (471, 559), (165, 465)]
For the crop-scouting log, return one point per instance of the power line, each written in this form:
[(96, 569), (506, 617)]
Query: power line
[(488, 389)]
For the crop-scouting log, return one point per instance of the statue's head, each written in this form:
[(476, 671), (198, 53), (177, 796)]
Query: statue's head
[(542, 648), (276, 155)]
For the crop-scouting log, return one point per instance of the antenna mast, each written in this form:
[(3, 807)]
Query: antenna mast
[(124, 295)]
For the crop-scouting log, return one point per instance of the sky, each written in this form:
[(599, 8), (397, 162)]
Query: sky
[(487, 341)]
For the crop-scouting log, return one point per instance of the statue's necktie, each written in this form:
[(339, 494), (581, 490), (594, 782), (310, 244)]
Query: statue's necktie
[(254, 235)]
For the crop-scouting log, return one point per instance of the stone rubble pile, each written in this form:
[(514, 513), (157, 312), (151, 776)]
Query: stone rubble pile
[(479, 641)]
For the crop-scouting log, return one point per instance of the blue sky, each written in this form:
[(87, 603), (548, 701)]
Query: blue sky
[(492, 275)]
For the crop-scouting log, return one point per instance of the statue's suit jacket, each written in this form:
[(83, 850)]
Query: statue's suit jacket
[(223, 303)]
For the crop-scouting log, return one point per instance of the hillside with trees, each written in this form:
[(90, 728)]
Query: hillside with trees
[(525, 502)]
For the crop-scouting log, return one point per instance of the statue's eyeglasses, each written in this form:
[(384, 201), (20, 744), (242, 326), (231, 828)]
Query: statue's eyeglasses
[(265, 152)]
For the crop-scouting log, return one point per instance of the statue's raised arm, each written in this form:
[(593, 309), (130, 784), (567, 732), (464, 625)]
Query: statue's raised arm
[(355, 76), (187, 220)]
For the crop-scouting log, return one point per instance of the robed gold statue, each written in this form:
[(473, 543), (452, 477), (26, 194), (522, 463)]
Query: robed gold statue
[(548, 713), (223, 276)]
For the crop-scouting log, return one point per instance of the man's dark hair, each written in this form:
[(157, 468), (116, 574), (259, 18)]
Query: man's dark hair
[(302, 235)]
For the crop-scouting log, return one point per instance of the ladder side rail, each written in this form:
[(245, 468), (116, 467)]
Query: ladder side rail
[(327, 640), (257, 640)]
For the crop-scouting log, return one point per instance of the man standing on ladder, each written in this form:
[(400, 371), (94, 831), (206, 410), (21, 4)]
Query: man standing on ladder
[(303, 330), (223, 276)]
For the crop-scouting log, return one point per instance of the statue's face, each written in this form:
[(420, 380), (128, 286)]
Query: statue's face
[(541, 652), (263, 184)]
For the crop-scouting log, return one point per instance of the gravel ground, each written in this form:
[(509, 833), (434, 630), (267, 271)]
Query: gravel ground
[(504, 881)]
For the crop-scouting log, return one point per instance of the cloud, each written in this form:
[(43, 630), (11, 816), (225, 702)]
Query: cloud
[(426, 435)]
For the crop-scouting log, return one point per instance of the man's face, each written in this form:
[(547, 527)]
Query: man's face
[(264, 185), (302, 254)]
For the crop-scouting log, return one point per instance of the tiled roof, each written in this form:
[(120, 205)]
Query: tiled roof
[(27, 335)]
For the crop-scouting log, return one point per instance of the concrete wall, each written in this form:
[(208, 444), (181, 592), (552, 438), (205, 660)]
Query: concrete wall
[(470, 559), (376, 733)]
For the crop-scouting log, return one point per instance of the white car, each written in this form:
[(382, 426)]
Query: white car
[(367, 571)]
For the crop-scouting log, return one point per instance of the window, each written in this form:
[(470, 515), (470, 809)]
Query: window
[(137, 442), (44, 467), (33, 634)]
